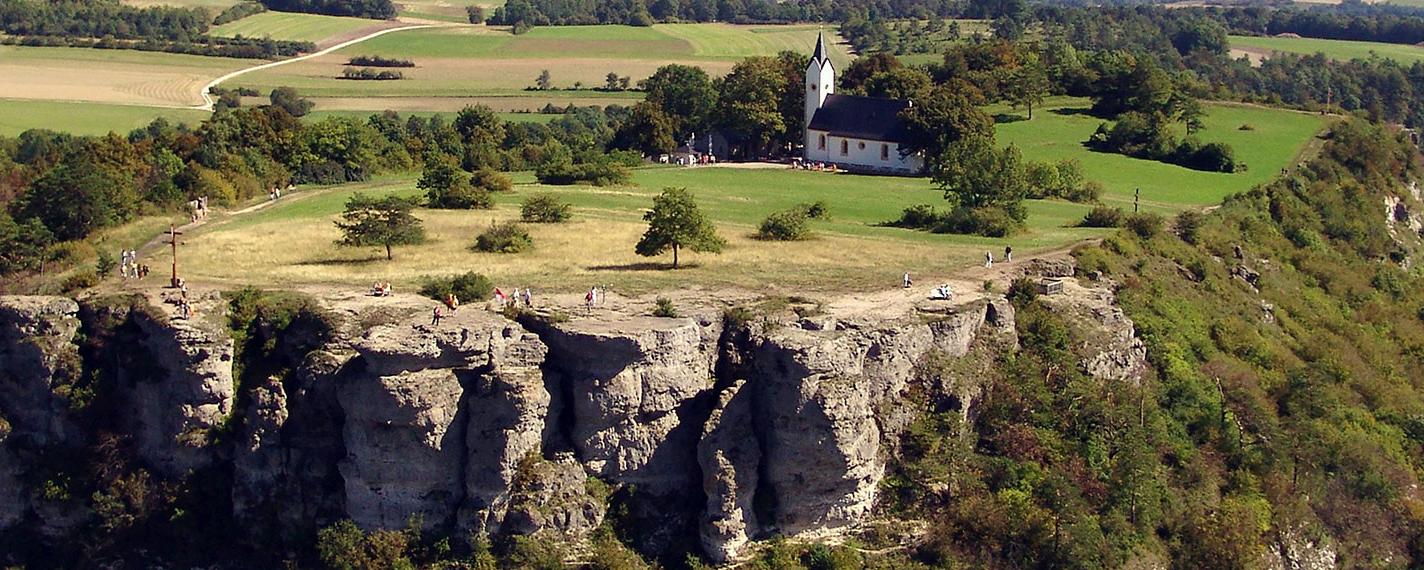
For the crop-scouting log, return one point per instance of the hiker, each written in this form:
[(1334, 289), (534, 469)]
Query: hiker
[(528, 297), (1008, 253), (588, 298), (988, 259), (907, 280), (452, 302), (435, 316), (941, 293)]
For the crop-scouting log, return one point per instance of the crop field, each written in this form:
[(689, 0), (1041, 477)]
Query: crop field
[(1273, 141), (17, 116), (295, 27), (441, 10), (213, 5), (318, 115), (475, 61), (849, 251), (108, 76), (1334, 49)]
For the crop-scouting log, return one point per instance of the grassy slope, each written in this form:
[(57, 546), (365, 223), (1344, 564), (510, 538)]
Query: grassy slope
[(17, 116), (288, 26), (1058, 130), (1336, 49)]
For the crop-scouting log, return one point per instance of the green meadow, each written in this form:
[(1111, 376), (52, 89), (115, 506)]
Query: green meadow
[(1334, 49), (1272, 140), (289, 26), (17, 116)]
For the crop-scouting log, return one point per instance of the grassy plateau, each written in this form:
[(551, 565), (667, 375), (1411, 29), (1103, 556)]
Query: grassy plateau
[(290, 26), (851, 250)]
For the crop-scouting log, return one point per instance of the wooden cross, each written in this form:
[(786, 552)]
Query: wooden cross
[(173, 234)]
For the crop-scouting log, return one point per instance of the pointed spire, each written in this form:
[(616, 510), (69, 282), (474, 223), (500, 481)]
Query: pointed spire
[(820, 55)]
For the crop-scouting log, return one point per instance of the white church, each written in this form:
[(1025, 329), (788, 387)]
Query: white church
[(860, 134)]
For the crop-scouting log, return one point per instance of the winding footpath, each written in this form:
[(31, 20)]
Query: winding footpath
[(207, 104)]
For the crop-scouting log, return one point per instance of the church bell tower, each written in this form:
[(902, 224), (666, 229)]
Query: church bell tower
[(820, 82)]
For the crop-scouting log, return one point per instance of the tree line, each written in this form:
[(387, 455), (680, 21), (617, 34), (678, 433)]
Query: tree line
[(56, 189), (377, 9), (108, 24), (525, 13)]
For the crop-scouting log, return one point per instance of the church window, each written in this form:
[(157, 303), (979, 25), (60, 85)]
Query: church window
[(884, 152), (845, 148), (821, 143), (813, 86), (860, 145)]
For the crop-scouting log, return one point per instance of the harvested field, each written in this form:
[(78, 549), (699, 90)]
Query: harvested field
[(450, 104), (108, 76)]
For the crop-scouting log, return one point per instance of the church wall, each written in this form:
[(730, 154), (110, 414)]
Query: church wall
[(857, 158)]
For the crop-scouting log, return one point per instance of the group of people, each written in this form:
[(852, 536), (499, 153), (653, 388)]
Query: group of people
[(274, 193), (381, 289), (815, 166), (185, 309), (525, 297), (198, 209), (593, 297), (1008, 256), (129, 267)]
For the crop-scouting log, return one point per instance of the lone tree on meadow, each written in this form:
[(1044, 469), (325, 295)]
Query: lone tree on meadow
[(676, 222), (384, 222)]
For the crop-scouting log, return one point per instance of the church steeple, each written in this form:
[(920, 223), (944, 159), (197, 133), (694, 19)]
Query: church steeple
[(821, 55)]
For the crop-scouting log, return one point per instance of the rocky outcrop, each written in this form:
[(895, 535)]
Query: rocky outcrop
[(408, 403), (630, 385), (38, 361), (178, 388), (1294, 550), (724, 430), (730, 456), (553, 495)]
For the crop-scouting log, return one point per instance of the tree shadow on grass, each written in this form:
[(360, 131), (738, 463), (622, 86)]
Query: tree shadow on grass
[(1002, 118), (642, 266), (338, 262), (1070, 111)]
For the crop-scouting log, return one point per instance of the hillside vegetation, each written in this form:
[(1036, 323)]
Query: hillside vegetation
[(1284, 332)]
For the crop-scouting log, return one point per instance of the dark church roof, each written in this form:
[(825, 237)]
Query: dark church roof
[(821, 55), (868, 118)]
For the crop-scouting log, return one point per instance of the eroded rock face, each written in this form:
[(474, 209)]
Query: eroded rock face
[(1113, 350), (552, 495), (409, 400), (178, 388), (631, 384), (37, 355), (730, 455)]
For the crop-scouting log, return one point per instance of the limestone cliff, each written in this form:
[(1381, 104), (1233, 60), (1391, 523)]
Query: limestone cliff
[(724, 429)]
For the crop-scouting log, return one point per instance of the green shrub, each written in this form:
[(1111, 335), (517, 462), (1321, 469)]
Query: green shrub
[(665, 308), (81, 279), (1085, 193), (1146, 226), (917, 217), (790, 225), (817, 210), (106, 264), (988, 221), (544, 209), (490, 180), (1102, 217), (471, 285), (507, 237), (1188, 225), (460, 195), (1022, 291)]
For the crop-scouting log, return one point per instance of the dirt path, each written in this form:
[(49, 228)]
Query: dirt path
[(207, 104)]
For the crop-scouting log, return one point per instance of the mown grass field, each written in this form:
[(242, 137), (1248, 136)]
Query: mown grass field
[(441, 10), (289, 26), (1335, 49), (108, 76), (17, 116), (1275, 139), (214, 5), (476, 61)]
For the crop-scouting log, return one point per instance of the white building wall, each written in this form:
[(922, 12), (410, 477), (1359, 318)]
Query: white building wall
[(820, 82), (861, 155)]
